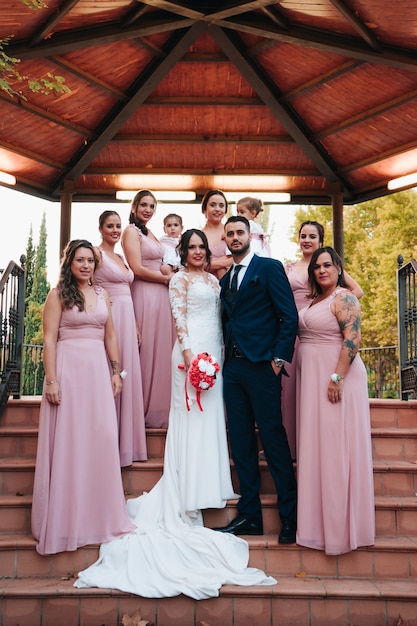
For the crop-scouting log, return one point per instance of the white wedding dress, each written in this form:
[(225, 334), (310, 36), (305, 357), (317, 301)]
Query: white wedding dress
[(171, 552)]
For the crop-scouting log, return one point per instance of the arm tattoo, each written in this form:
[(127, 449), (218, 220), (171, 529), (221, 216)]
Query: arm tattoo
[(115, 367), (350, 323)]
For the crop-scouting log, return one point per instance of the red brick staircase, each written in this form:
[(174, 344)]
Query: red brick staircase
[(369, 587)]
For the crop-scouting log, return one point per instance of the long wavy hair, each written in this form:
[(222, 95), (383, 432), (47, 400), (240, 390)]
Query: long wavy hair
[(315, 289), (67, 285), (184, 245), (135, 203)]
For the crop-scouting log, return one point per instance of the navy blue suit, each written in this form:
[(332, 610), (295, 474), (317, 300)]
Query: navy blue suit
[(261, 322)]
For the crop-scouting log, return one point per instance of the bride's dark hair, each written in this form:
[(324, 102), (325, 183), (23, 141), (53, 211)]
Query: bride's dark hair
[(67, 285), (184, 244)]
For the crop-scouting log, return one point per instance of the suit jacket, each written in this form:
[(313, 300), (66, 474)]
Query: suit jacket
[(263, 319)]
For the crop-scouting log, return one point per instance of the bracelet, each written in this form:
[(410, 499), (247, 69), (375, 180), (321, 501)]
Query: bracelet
[(50, 382)]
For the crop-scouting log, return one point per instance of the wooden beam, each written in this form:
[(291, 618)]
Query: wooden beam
[(325, 41), (268, 93), (235, 139), (176, 47), (357, 24)]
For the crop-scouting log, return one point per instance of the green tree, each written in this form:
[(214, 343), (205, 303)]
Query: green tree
[(376, 232), (30, 258), (32, 362), (39, 291), (9, 68), (40, 286)]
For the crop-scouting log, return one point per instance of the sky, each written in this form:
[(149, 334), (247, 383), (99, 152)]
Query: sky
[(21, 211)]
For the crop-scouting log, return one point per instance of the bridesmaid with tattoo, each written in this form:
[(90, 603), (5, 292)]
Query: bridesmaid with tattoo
[(334, 457)]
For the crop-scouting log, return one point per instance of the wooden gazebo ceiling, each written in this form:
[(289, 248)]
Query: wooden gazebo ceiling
[(316, 96)]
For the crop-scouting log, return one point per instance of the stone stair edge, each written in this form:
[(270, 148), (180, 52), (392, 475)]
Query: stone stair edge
[(268, 500), (383, 543), (293, 586)]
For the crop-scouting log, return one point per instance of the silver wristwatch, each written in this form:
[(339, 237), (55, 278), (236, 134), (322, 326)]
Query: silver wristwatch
[(278, 362)]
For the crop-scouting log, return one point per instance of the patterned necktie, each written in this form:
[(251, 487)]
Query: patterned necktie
[(233, 284)]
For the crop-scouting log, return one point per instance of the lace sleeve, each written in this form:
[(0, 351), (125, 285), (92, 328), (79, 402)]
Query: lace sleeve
[(178, 287)]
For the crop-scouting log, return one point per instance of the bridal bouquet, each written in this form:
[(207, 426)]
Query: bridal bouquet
[(202, 375)]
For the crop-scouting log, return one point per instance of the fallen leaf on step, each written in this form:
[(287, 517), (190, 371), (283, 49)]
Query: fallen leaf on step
[(204, 624), (134, 620), (401, 622), (300, 575)]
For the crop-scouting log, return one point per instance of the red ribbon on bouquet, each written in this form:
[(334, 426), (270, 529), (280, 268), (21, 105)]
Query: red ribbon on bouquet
[(202, 374)]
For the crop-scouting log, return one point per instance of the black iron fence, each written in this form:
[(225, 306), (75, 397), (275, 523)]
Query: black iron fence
[(381, 365), (12, 308), (32, 370), (407, 326)]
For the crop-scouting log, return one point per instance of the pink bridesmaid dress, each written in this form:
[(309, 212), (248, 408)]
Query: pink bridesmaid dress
[(154, 318), (300, 290), (334, 457), (78, 496), (129, 404)]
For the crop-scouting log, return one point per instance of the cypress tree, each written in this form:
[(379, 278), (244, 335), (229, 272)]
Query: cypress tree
[(39, 288)]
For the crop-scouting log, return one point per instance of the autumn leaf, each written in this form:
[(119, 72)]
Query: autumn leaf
[(134, 620), (401, 622)]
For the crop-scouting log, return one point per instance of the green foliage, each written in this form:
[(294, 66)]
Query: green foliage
[(49, 84), (37, 288), (9, 73), (30, 259), (34, 4), (40, 287), (376, 232)]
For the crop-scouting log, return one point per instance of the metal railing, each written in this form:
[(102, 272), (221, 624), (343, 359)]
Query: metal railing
[(32, 370), (12, 311), (407, 327), (381, 365)]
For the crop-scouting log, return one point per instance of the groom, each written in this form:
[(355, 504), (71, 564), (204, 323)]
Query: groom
[(259, 325)]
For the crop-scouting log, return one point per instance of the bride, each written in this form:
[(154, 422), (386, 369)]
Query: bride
[(171, 552)]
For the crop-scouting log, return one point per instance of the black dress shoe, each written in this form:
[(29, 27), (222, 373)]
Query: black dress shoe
[(241, 525), (287, 534)]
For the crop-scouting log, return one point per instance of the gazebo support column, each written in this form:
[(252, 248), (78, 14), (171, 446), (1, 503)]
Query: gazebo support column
[(337, 212), (66, 206)]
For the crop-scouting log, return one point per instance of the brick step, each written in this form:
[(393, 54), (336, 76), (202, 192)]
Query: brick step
[(387, 443), (395, 515), (43, 602), (21, 412), (384, 413), (393, 413), (21, 442), (393, 557), (391, 477), (394, 444), (395, 478)]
